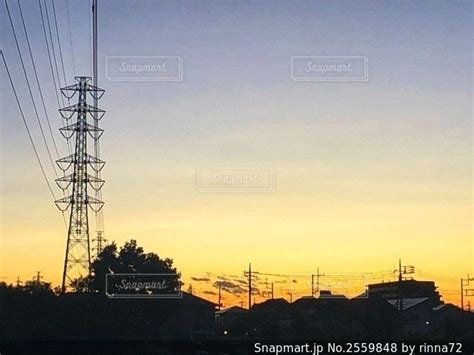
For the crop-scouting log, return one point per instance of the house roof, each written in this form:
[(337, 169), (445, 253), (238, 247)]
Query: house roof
[(272, 304), (437, 308), (232, 310), (408, 302), (191, 299), (448, 307)]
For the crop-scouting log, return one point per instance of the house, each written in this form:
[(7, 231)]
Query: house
[(228, 316), (413, 316), (451, 322), (406, 289), (324, 316), (325, 301), (277, 305), (274, 317), (192, 318), (93, 316)]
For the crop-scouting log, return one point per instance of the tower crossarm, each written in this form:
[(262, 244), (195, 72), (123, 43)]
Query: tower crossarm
[(69, 130), (94, 182), (69, 111), (65, 163), (70, 90)]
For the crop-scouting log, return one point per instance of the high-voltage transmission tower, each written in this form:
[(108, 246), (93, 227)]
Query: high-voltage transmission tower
[(75, 167)]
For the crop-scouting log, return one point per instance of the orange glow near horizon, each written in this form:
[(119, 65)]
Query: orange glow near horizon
[(365, 172)]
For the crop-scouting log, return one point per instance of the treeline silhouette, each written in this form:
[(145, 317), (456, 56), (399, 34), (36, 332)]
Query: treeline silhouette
[(35, 311)]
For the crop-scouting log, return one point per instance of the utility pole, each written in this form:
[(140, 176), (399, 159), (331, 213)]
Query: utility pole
[(400, 297), (465, 292), (250, 286), (38, 277), (265, 293), (77, 261), (219, 302), (462, 293), (402, 270), (313, 291)]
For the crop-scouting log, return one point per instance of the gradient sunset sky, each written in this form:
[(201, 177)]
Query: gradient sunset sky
[(365, 172)]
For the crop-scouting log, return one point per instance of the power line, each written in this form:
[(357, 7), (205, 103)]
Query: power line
[(56, 90), (439, 277), (29, 88), (36, 76), (59, 42), (362, 275), (27, 128), (52, 47), (49, 54), (70, 38), (371, 275), (278, 275)]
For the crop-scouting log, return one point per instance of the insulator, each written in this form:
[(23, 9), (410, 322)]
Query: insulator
[(99, 134), (95, 92), (64, 92), (94, 204), (68, 112), (67, 201), (92, 111), (62, 167)]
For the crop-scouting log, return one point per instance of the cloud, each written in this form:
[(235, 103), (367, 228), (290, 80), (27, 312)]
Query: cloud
[(200, 279), (241, 281), (230, 287), (219, 277)]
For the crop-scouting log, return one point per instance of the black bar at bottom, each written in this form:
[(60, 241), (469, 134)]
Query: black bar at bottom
[(305, 346)]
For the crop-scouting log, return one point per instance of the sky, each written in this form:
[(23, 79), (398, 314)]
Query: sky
[(365, 172)]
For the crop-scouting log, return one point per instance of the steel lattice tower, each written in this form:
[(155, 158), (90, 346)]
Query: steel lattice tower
[(77, 261)]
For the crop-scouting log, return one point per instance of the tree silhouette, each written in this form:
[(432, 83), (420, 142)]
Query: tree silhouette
[(35, 287), (130, 259)]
